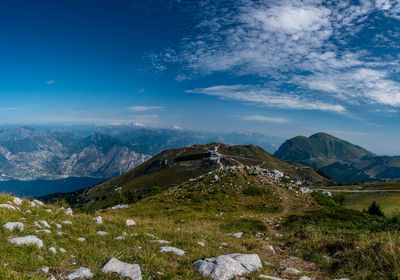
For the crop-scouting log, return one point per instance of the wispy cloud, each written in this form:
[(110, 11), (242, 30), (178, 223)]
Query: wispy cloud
[(144, 108), (307, 44), (50, 82), (264, 97), (265, 119)]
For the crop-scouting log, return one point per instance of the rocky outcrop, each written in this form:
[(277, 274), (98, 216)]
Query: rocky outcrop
[(131, 271), (226, 267)]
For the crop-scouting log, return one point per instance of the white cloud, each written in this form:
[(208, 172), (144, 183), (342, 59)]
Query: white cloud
[(263, 97), (308, 44), (144, 108), (265, 119), (50, 82), (363, 85)]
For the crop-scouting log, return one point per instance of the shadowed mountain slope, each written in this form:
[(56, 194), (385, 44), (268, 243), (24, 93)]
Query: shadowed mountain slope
[(339, 159)]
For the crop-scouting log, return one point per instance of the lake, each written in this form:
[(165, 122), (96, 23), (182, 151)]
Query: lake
[(37, 188)]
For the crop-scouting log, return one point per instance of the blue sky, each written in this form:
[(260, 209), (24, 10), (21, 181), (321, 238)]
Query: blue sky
[(283, 68)]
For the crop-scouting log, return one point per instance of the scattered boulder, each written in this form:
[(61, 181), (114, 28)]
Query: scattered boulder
[(45, 224), (262, 276), (43, 230), (237, 234), (98, 220), (130, 223), (81, 239), (8, 206), (131, 271), (291, 270), (66, 222), (226, 267), (119, 206), (69, 212), (53, 250), (168, 249), (11, 226), (160, 241), (27, 240), (201, 244), (38, 202), (81, 272), (45, 269), (101, 233), (17, 201), (304, 278)]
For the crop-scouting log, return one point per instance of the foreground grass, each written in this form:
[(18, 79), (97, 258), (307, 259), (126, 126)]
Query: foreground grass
[(199, 211), (346, 242)]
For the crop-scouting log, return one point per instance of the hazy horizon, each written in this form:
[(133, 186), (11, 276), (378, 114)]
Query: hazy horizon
[(287, 68)]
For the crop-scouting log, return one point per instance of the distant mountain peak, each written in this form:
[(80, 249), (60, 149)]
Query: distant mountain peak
[(339, 159)]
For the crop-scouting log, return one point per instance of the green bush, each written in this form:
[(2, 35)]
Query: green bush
[(375, 209), (253, 191), (244, 225)]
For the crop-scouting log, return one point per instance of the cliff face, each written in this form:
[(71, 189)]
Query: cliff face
[(27, 154)]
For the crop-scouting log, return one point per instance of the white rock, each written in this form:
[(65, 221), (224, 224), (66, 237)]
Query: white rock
[(62, 250), (45, 269), (81, 272), (53, 250), (130, 223), (271, 249), (101, 233), (49, 211), (174, 250), (69, 212), (45, 224), (304, 278), (32, 204), (66, 222), (128, 270), (81, 239), (38, 202), (58, 225), (27, 240), (160, 241), (262, 276), (43, 230), (11, 226), (291, 270), (226, 267), (8, 206), (98, 220), (119, 206), (28, 211), (237, 234), (341, 279), (17, 201), (201, 244)]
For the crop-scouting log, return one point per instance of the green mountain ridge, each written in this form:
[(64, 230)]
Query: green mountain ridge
[(340, 160), (176, 166)]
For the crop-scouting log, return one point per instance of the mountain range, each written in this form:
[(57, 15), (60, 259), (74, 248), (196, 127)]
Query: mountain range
[(340, 160), (28, 153)]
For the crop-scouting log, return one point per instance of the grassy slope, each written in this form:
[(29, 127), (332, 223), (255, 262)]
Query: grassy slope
[(237, 201), (162, 171), (345, 242), (207, 210)]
